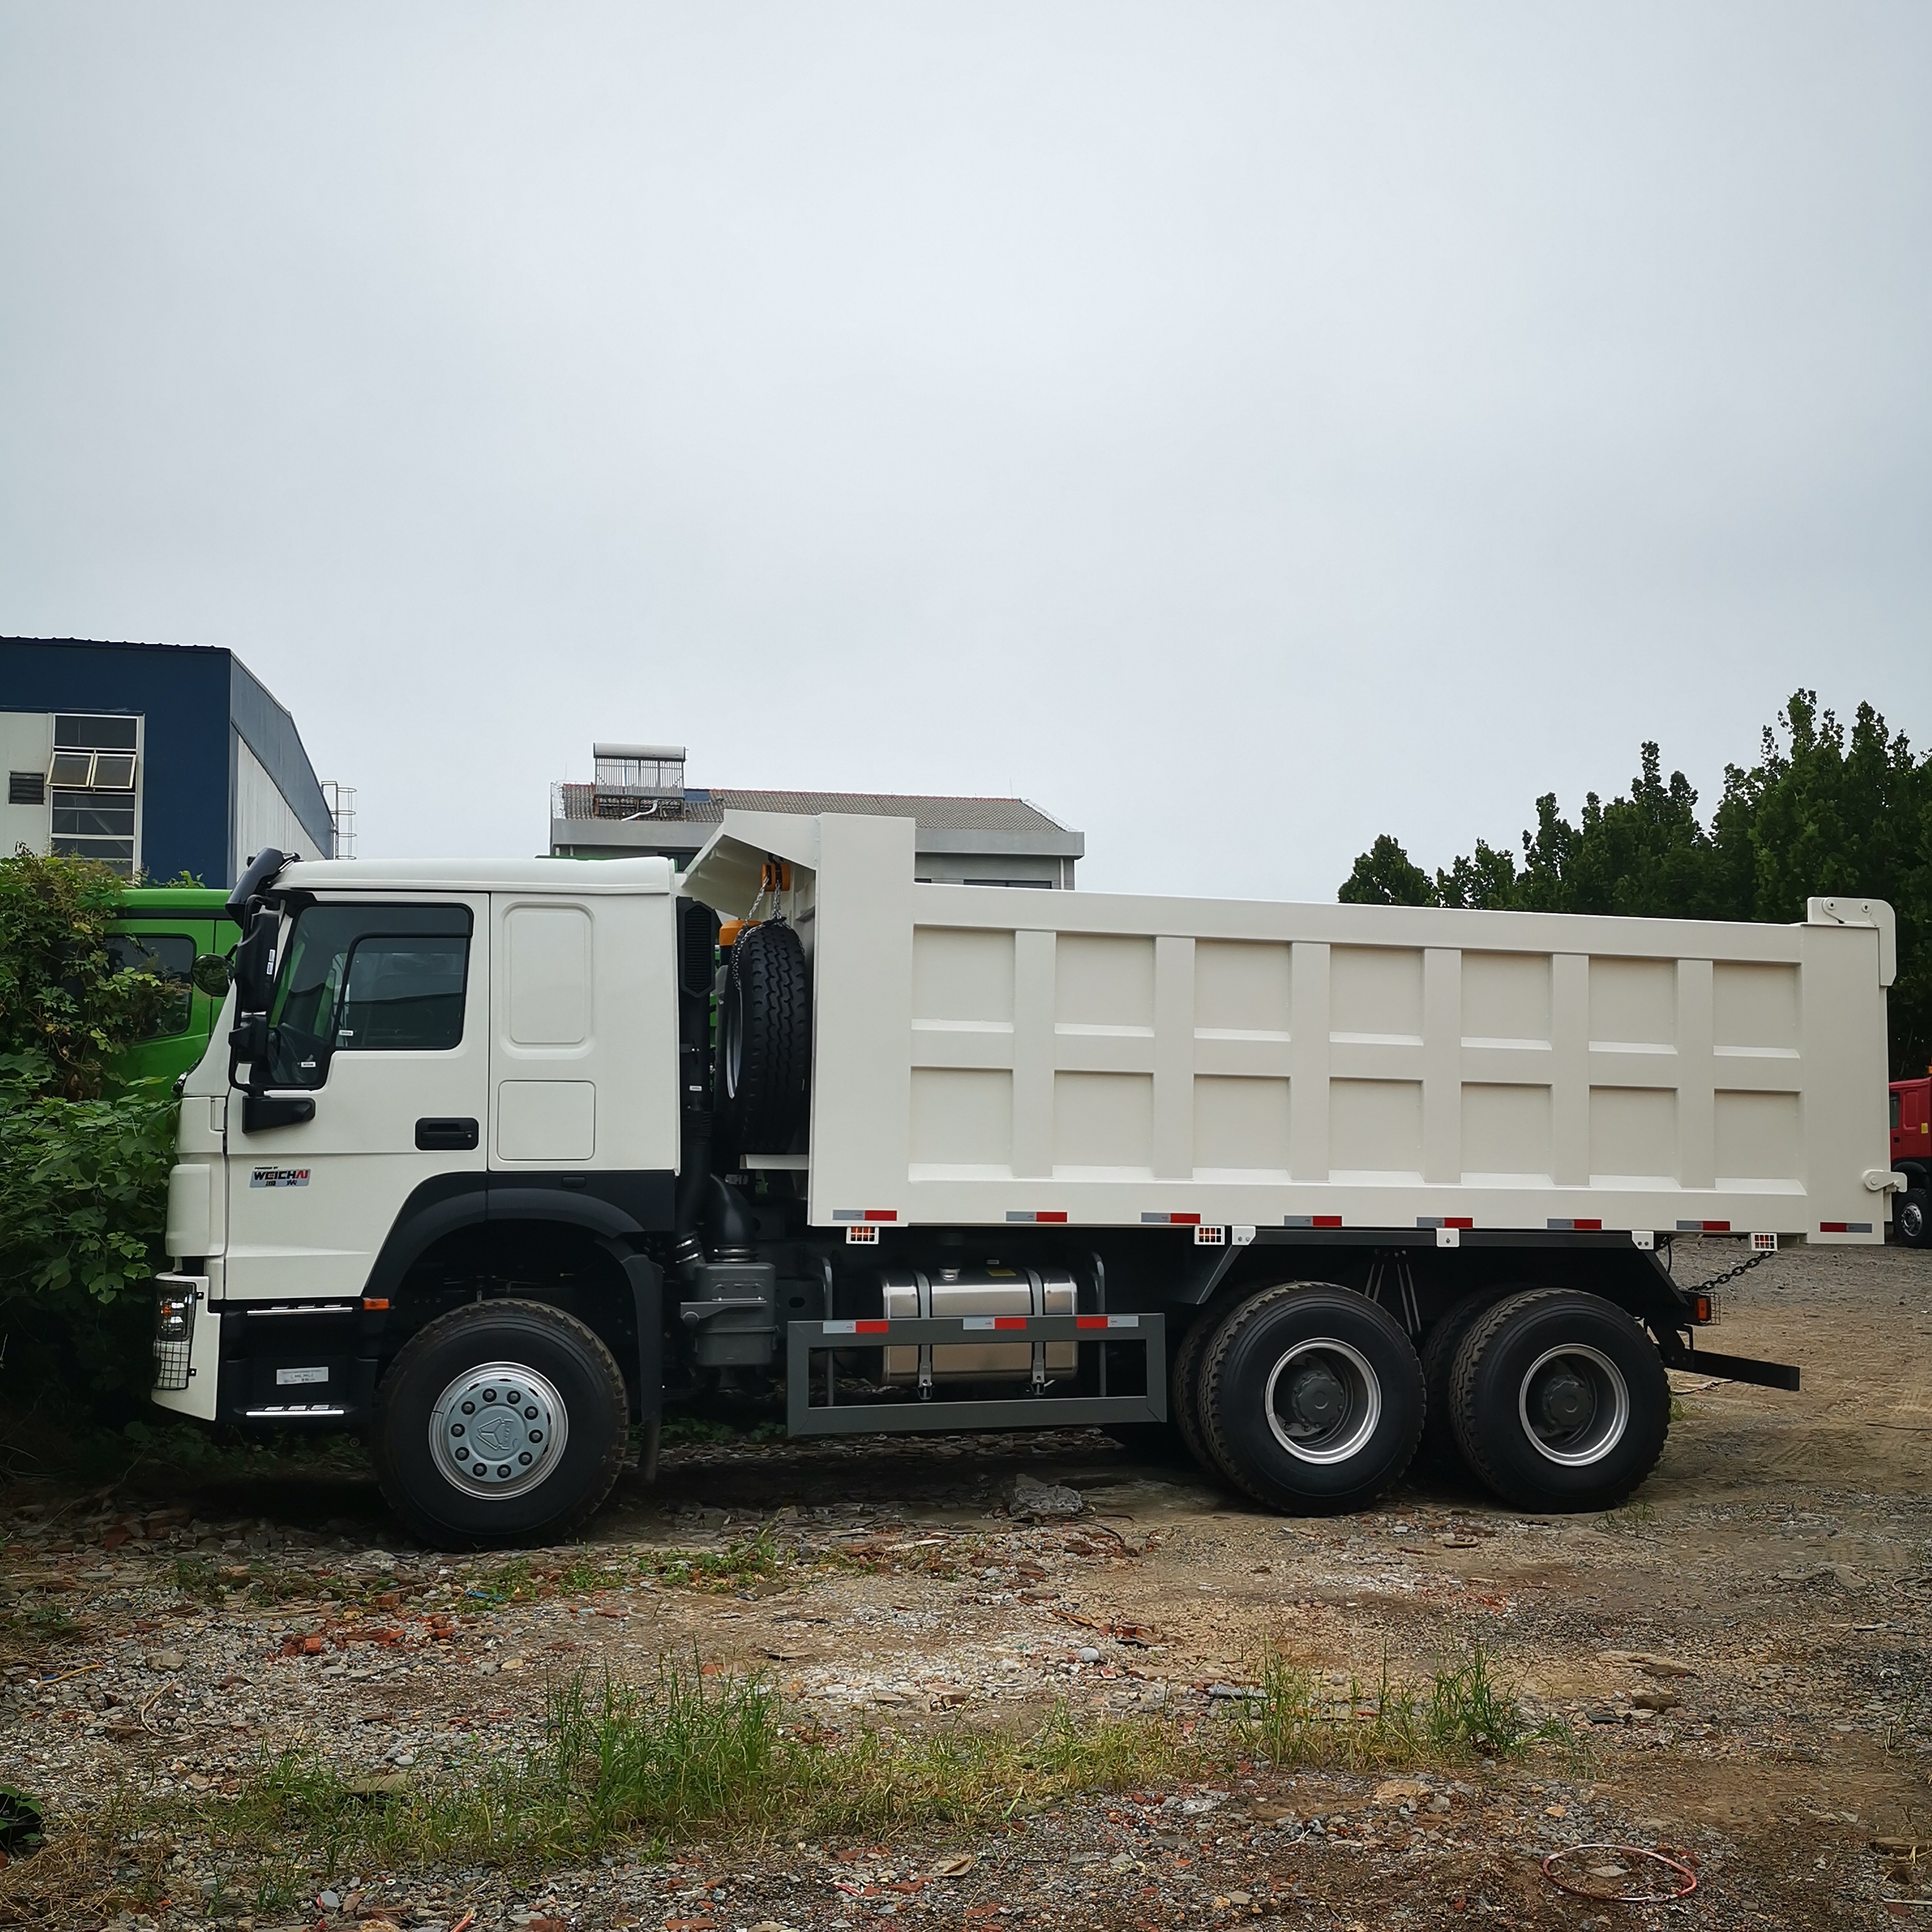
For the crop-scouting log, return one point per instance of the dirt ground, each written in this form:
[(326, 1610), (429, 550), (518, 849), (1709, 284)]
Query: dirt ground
[(1743, 1649)]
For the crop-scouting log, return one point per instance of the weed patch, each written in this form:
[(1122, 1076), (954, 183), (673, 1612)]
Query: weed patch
[(683, 1753), (1301, 1720)]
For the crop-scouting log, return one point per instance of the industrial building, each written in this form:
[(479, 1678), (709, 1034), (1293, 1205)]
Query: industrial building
[(154, 760), (637, 805)]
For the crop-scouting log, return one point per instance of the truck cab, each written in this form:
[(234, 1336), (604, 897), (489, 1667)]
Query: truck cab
[(1911, 1157), (164, 930)]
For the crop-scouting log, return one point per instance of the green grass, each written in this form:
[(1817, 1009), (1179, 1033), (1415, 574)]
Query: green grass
[(1299, 1720), (678, 1754), (683, 1752), (653, 1762)]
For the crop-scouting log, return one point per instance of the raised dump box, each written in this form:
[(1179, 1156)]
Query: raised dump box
[(989, 1056)]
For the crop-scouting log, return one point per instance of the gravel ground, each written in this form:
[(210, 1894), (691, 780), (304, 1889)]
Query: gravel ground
[(1744, 1646)]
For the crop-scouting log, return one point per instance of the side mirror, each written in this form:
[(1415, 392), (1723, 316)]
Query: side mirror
[(255, 961), (211, 974)]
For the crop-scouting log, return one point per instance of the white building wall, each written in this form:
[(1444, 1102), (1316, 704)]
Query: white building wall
[(26, 745), (262, 816)]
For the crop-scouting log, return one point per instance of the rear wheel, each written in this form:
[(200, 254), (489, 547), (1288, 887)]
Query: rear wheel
[(501, 1423), (1912, 1218), (1438, 1362), (1559, 1401), (1311, 1398), (1184, 1390)]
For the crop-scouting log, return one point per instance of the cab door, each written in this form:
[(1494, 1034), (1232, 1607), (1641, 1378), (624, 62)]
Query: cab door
[(379, 1023)]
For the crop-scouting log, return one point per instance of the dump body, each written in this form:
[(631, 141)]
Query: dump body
[(983, 1056)]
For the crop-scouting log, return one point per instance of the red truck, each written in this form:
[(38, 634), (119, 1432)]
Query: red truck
[(1911, 1157)]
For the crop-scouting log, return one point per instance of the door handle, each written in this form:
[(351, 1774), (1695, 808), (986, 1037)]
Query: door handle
[(446, 1136)]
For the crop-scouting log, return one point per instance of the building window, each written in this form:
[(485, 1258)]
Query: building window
[(92, 778), (77, 733), (26, 787)]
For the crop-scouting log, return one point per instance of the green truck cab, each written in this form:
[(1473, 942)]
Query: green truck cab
[(164, 930)]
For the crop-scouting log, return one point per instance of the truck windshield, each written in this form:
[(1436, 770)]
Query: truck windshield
[(367, 979)]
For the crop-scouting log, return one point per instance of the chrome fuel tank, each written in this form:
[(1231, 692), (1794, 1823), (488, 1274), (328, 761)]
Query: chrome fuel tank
[(912, 1293)]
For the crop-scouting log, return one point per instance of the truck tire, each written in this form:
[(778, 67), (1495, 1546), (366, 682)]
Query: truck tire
[(1912, 1218), (764, 1042), (530, 1387), (1184, 1398), (1311, 1399), (1439, 1447), (1559, 1401)]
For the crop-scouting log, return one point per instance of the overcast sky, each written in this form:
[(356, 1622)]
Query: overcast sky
[(1240, 429)]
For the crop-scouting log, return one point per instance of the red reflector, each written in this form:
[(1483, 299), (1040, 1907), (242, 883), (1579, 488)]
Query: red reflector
[(1010, 1321), (882, 1213), (1587, 1227), (1324, 1220), (1089, 1322), (870, 1327), (1716, 1227), (1459, 1221), (1824, 1228), (1185, 1220), (1050, 1214), (1703, 1308)]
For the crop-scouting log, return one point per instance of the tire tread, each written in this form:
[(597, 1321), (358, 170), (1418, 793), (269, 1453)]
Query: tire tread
[(1186, 1394), (768, 968)]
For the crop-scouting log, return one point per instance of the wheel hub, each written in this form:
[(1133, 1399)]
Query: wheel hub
[(498, 1430), (1566, 1401), (1317, 1398)]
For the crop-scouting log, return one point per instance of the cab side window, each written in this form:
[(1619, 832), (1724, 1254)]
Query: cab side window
[(169, 956), (1895, 1100), (367, 979)]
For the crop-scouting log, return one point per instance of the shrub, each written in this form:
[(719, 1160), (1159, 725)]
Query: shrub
[(84, 1160)]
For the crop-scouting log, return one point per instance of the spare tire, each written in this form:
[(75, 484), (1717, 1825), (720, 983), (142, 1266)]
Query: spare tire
[(764, 1043)]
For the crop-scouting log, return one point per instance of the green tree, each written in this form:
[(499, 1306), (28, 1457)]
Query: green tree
[(1384, 875)]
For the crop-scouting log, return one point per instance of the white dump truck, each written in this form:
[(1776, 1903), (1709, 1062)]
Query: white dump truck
[(492, 1160)]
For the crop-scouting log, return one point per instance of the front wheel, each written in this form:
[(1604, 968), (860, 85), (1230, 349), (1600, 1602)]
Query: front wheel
[(1559, 1401), (501, 1423), (1311, 1399)]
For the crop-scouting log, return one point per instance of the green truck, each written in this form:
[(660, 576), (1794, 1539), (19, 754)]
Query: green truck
[(164, 930)]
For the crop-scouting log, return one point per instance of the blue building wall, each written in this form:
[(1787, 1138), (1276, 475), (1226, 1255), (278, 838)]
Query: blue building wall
[(195, 698)]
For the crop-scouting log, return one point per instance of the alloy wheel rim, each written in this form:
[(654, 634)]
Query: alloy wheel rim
[(1324, 1400), (498, 1430), (1574, 1405)]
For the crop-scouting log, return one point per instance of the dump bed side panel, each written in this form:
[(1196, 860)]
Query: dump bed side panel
[(989, 1056)]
